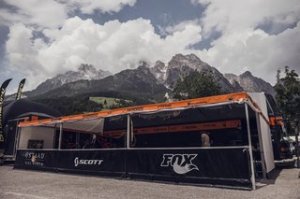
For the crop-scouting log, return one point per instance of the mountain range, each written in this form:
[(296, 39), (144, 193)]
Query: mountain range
[(146, 83), (84, 72)]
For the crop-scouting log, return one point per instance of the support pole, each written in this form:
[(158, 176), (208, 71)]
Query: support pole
[(250, 147), (77, 140), (60, 135), (261, 149), (128, 131), (17, 141)]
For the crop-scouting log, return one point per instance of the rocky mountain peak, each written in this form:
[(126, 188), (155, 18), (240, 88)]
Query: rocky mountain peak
[(246, 74), (250, 83), (193, 57), (87, 68), (84, 72), (143, 65), (191, 60), (159, 71), (159, 65), (182, 65), (157, 80)]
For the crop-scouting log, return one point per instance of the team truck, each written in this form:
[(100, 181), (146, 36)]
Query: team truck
[(282, 150)]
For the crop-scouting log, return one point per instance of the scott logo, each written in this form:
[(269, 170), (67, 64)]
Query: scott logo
[(78, 162), (181, 163)]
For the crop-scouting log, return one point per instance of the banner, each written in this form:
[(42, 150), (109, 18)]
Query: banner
[(2, 94), (228, 167), (108, 162), (36, 160), (21, 85), (199, 166)]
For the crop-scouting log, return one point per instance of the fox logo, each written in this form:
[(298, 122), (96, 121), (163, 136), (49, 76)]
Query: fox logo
[(181, 163)]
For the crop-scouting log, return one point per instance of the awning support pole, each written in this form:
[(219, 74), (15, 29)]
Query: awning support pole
[(250, 147), (60, 135), (261, 149), (128, 131), (17, 141), (77, 140)]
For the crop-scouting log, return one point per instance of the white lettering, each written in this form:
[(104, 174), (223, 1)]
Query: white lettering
[(181, 163), (78, 162)]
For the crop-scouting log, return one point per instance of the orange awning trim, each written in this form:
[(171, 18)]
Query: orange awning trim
[(228, 124), (276, 120), (234, 97)]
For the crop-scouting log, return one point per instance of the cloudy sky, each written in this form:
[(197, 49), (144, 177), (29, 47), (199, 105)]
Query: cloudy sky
[(42, 38)]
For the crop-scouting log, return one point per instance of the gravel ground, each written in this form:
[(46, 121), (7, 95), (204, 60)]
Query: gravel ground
[(42, 185)]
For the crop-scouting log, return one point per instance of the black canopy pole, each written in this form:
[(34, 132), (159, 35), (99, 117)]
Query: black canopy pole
[(250, 147), (60, 135), (128, 132), (17, 138)]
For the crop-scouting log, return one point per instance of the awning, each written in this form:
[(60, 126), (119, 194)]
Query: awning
[(150, 108)]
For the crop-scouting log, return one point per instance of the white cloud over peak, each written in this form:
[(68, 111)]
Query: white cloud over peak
[(245, 44), (113, 46)]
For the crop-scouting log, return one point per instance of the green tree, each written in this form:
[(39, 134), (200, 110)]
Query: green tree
[(288, 96), (196, 84)]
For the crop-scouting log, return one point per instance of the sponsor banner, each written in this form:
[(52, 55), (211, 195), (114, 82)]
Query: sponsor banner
[(36, 159), (202, 166), (210, 163), (91, 161), (96, 161)]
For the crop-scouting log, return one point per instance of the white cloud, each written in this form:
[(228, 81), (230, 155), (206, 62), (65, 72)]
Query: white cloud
[(234, 15), (22, 50), (255, 51), (113, 46), (53, 13), (89, 6), (242, 45), (45, 13)]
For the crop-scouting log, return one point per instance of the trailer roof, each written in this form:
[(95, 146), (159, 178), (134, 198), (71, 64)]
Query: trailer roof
[(184, 104)]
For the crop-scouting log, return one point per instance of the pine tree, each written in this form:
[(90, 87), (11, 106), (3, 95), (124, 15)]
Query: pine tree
[(288, 96), (196, 84)]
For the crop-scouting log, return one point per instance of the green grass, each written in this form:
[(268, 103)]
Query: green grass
[(108, 102)]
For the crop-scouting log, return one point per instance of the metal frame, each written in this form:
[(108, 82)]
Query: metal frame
[(146, 148), (261, 149), (129, 134), (16, 143), (60, 135), (250, 147)]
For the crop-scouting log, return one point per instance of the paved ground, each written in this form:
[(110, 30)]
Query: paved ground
[(42, 185)]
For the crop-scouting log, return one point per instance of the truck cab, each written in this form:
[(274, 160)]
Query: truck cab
[(281, 146)]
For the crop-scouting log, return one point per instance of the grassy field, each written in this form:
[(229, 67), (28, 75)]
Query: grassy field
[(108, 102)]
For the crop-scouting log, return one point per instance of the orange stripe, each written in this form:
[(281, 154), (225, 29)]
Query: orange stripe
[(149, 107), (178, 128), (276, 121)]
